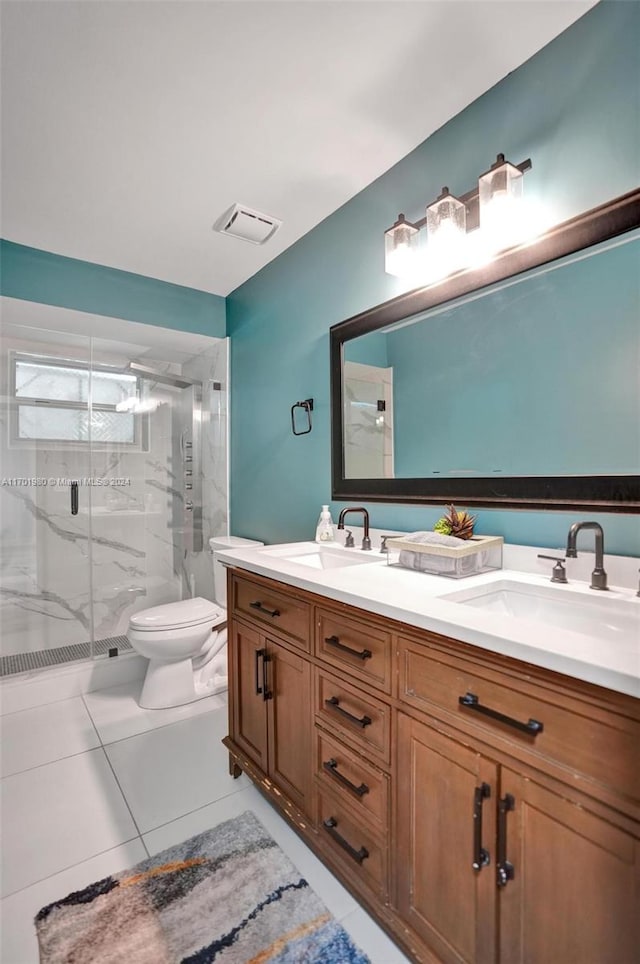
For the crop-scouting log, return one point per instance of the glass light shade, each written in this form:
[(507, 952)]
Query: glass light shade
[(446, 219), (500, 196), (446, 234), (401, 248)]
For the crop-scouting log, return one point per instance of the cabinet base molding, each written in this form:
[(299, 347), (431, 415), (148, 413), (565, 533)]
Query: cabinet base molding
[(382, 914), (298, 820)]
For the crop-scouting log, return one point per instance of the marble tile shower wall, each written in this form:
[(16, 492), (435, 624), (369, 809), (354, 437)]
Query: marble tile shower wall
[(65, 579)]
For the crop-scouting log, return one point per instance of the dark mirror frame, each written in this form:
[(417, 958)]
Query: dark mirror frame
[(602, 493)]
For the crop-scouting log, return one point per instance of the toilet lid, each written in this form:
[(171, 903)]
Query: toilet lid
[(186, 612)]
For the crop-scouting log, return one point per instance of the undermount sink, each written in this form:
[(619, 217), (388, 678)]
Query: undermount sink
[(323, 557), (611, 619)]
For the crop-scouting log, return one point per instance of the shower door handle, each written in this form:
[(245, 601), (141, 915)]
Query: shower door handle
[(74, 498)]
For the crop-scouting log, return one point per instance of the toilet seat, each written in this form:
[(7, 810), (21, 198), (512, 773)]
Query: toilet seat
[(178, 615)]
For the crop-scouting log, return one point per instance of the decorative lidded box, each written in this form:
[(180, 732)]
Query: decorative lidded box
[(442, 555)]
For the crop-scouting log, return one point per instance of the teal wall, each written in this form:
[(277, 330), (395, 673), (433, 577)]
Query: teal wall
[(51, 279), (574, 109)]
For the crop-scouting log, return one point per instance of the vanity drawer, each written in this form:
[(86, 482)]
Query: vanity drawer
[(581, 733), (361, 853), (277, 611), (364, 651), (358, 718), (362, 788)]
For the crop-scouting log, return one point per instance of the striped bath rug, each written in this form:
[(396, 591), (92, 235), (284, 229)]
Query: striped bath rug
[(228, 895)]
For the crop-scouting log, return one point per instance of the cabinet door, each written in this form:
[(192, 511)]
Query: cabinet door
[(448, 903), (575, 886), (249, 714), (290, 724)]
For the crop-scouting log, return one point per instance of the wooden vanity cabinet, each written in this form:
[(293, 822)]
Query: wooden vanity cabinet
[(445, 821), (484, 810), (271, 696), (544, 857), (575, 892), (503, 867)]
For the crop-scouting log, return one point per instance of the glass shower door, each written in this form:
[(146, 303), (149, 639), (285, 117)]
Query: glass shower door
[(134, 556), (45, 499)]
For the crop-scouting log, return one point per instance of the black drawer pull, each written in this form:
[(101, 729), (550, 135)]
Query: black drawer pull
[(358, 855), (266, 692), (334, 641), (481, 856), (74, 498), (334, 704), (505, 870), (470, 700), (331, 767), (263, 609), (259, 654)]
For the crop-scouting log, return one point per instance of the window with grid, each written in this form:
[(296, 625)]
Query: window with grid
[(52, 395)]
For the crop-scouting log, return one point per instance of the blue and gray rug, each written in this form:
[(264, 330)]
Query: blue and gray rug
[(228, 895)]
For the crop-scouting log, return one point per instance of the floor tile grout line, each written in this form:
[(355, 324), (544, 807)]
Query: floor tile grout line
[(62, 699), (39, 706), (195, 810), (65, 756), (163, 726), (48, 763), (71, 866), (115, 777), (93, 722)]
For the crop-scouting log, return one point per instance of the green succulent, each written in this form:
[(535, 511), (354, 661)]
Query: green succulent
[(443, 526)]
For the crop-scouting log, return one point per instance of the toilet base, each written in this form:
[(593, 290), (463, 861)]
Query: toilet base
[(173, 684)]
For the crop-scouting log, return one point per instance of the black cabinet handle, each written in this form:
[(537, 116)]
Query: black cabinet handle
[(334, 704), (259, 654), (335, 642), (331, 767), (358, 855), (505, 871), (481, 856), (74, 498), (267, 694), (263, 609), (470, 700)]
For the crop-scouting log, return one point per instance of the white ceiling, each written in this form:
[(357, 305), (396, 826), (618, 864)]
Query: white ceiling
[(129, 127)]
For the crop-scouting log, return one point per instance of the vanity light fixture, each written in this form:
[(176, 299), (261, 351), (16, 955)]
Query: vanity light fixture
[(446, 218), (401, 243), (490, 212), (446, 232), (500, 199)]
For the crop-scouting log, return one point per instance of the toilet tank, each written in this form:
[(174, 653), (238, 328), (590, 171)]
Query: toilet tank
[(219, 571)]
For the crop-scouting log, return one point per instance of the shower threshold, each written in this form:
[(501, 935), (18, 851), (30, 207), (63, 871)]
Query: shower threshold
[(41, 658)]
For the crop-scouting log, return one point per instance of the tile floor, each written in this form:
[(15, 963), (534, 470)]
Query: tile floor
[(93, 784)]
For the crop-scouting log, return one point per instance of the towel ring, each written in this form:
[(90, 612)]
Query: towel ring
[(306, 406)]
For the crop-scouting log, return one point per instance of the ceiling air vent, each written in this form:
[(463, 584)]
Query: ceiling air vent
[(249, 225)]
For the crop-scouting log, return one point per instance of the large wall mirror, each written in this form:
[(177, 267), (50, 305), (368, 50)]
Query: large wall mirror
[(515, 385)]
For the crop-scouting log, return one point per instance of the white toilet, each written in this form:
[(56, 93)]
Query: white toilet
[(186, 642)]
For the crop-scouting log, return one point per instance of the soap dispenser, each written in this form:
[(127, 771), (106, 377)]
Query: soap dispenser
[(325, 531)]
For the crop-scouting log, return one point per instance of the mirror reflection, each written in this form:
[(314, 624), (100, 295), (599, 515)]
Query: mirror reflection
[(536, 376)]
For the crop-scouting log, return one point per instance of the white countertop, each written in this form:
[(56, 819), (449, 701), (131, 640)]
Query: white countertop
[(413, 598)]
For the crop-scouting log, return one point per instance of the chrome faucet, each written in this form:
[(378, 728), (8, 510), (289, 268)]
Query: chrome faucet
[(366, 541), (598, 576)]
